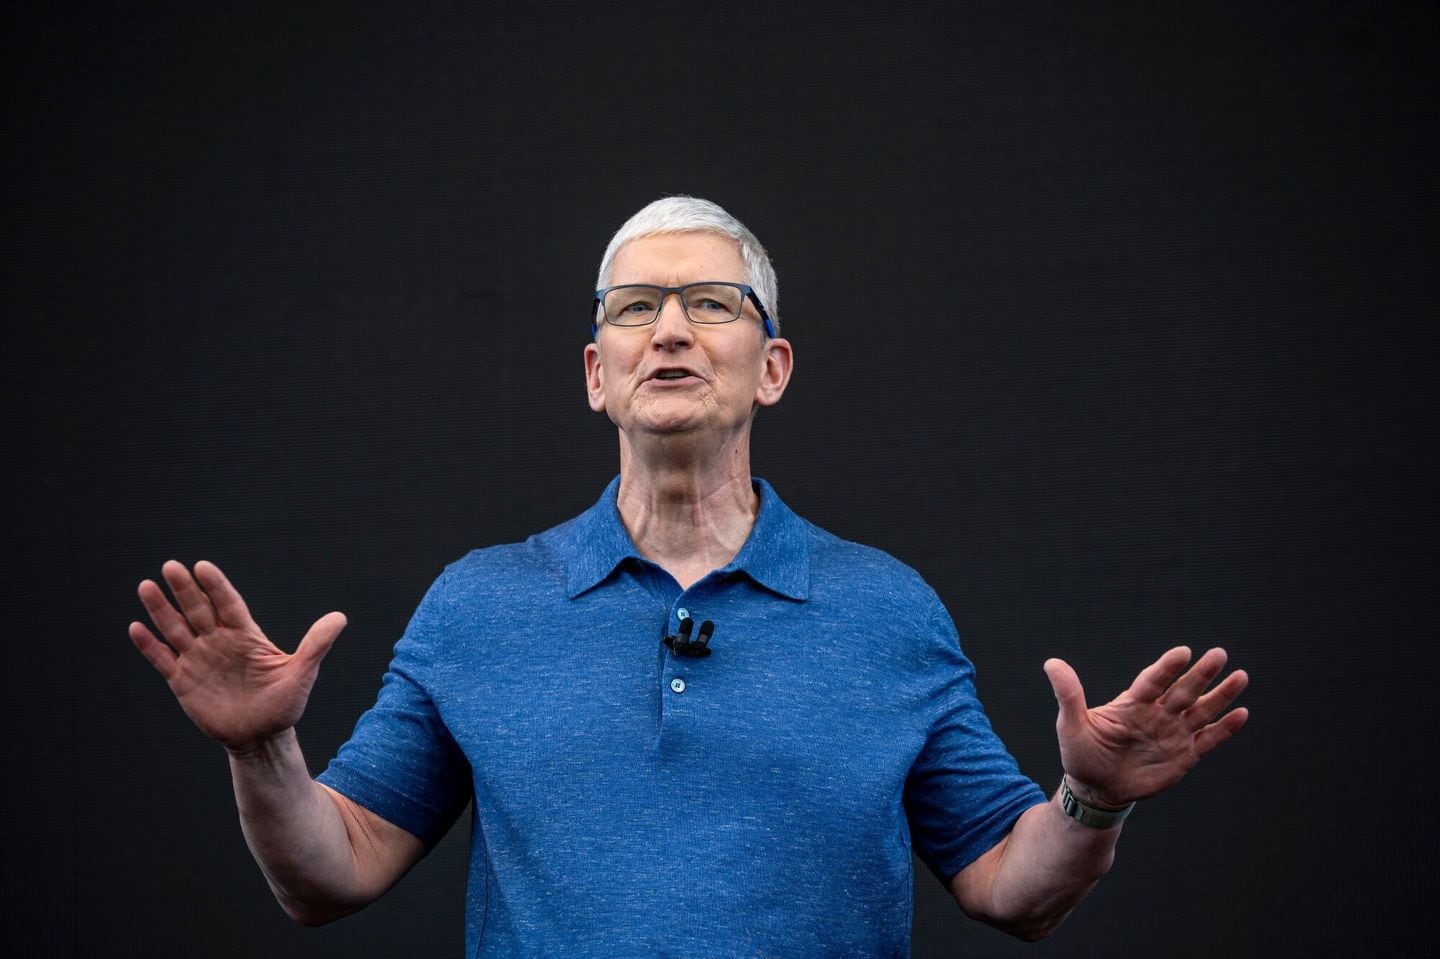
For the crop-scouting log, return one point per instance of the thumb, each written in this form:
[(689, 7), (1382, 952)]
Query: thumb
[(1068, 692), (320, 638)]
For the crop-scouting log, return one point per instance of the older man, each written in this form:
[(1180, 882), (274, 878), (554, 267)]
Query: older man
[(643, 787)]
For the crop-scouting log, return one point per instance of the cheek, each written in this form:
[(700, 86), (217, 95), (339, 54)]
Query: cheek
[(611, 374)]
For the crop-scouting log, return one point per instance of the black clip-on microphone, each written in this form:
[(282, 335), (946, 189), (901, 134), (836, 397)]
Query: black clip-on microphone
[(683, 645)]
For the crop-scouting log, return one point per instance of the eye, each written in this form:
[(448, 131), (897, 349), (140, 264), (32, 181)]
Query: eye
[(712, 302), (628, 303)]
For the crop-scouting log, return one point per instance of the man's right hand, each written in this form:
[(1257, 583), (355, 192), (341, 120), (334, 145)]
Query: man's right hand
[(323, 854), (236, 685)]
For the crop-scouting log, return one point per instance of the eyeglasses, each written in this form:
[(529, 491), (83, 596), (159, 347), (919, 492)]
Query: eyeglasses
[(709, 302)]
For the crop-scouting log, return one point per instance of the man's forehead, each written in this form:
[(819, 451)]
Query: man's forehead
[(662, 257)]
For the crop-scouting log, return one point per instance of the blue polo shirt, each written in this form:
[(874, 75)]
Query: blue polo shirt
[(762, 801)]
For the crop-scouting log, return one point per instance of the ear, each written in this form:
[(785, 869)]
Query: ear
[(779, 362), (594, 377)]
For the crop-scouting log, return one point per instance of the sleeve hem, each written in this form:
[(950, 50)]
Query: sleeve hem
[(947, 865), (425, 823)]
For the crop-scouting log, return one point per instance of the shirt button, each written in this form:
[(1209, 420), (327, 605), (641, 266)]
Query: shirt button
[(682, 613), (677, 685)]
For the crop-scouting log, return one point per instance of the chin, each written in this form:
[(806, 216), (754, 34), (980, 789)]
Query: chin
[(669, 418), (677, 427)]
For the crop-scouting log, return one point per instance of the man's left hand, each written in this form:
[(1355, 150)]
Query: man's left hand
[(1147, 738)]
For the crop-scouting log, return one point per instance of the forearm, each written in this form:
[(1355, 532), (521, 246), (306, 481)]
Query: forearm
[(1039, 873), (297, 833), (1135, 746)]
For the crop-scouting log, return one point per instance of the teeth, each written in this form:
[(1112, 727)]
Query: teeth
[(672, 374)]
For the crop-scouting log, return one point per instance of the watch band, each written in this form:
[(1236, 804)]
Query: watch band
[(1087, 815)]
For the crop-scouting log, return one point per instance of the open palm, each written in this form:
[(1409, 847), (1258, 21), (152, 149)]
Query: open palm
[(1147, 738), (232, 682)]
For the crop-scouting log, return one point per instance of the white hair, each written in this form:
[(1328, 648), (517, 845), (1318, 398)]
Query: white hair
[(688, 214)]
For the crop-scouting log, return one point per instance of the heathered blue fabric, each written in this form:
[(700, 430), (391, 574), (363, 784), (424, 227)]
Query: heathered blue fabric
[(766, 810)]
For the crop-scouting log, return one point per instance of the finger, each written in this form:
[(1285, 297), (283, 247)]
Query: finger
[(1216, 701), (159, 655), (230, 608), (1154, 679), (1185, 690), (1217, 732), (171, 624), (194, 604), (320, 638), (1068, 693)]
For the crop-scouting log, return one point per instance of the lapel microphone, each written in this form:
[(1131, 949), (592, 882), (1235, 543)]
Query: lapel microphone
[(683, 645)]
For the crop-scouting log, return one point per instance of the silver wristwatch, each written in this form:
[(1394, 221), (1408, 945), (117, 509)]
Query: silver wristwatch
[(1086, 814)]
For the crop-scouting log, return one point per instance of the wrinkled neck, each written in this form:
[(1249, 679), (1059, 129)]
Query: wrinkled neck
[(689, 514)]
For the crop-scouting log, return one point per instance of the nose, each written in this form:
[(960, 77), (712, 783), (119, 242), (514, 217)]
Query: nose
[(672, 326)]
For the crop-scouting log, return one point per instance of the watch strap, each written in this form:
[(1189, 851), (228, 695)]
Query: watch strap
[(1097, 817)]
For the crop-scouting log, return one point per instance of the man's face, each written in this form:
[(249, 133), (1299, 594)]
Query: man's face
[(727, 368)]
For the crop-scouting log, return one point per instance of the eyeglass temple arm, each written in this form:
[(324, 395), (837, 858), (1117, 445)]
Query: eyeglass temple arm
[(764, 313)]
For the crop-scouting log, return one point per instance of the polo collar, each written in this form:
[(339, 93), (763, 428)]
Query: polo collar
[(598, 543), (776, 554)]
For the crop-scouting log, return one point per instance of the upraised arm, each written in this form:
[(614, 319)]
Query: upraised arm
[(1133, 747), (323, 855)]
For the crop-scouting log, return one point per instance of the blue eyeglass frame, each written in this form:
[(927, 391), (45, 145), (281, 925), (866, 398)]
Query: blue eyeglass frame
[(744, 288)]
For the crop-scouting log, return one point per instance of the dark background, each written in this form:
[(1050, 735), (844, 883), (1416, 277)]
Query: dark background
[(1115, 321)]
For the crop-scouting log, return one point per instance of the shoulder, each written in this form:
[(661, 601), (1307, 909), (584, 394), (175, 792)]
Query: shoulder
[(880, 611), (864, 577), (832, 556), (487, 588), (532, 565)]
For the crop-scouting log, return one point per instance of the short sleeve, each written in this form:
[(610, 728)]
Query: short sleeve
[(401, 762), (965, 791)]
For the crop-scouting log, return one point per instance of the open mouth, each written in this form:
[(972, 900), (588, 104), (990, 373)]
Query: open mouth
[(672, 375)]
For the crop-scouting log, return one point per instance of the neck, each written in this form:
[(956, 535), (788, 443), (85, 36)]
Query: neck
[(687, 510)]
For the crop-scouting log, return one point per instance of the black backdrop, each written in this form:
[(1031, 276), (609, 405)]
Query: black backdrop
[(1115, 321)]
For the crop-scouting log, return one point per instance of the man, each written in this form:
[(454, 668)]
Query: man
[(644, 788)]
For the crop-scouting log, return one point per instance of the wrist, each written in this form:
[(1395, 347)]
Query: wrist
[(1083, 806), (1091, 796), (265, 751)]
